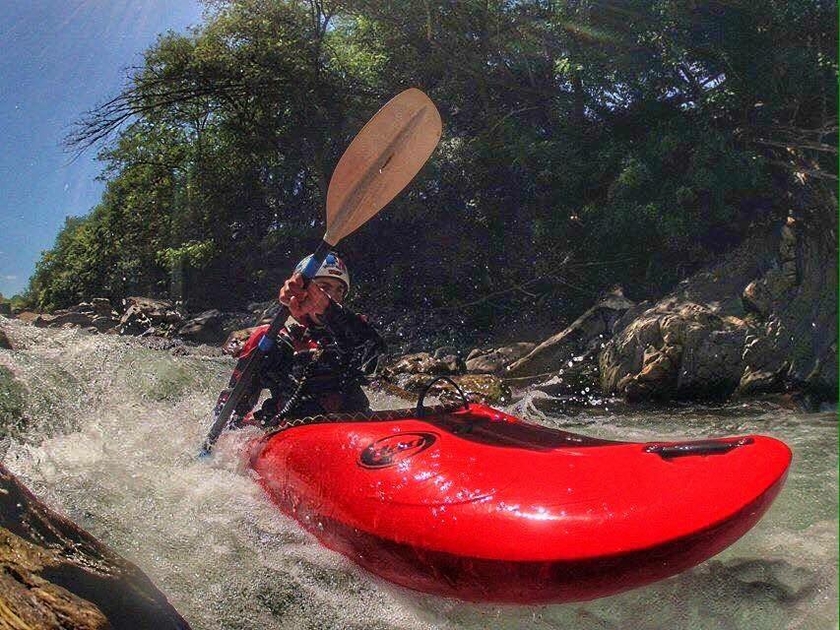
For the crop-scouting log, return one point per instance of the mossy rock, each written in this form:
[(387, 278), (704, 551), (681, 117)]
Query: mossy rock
[(483, 388), (12, 402)]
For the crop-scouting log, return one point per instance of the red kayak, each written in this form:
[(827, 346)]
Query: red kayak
[(477, 504)]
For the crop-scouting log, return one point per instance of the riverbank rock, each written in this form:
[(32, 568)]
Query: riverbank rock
[(27, 317), (427, 364), (762, 320), (205, 327), (583, 336), (484, 388), (794, 344), (149, 316), (497, 359), (678, 350), (63, 318), (54, 575)]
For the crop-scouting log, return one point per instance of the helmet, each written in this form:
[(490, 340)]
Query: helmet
[(332, 267)]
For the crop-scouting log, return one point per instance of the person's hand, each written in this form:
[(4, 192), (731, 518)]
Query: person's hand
[(306, 304)]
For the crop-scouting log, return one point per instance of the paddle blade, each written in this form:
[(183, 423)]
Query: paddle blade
[(386, 154)]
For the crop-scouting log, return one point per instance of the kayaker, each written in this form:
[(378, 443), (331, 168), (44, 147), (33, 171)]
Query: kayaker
[(321, 356)]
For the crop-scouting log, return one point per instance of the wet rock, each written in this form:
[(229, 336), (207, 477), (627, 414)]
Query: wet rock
[(203, 328), (425, 363), (775, 295), (102, 307), (149, 316), (53, 574), (675, 350), (484, 388), (104, 323), (794, 344), (495, 360), (445, 351), (578, 380), (29, 601), (760, 382), (586, 333), (27, 317), (63, 319)]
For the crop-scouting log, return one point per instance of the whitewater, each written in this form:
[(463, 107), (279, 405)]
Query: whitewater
[(109, 435)]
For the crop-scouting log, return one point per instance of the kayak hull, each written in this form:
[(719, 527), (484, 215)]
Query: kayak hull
[(478, 505)]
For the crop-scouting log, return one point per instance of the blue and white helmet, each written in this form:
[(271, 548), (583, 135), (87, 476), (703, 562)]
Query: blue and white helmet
[(332, 267)]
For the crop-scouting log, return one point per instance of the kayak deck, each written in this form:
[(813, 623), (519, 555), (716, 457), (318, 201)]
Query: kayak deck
[(477, 504)]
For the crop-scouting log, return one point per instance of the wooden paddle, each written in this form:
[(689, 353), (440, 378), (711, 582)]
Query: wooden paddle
[(382, 159)]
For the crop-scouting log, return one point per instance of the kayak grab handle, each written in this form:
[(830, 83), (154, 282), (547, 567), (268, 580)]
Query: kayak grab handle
[(421, 411), (670, 450)]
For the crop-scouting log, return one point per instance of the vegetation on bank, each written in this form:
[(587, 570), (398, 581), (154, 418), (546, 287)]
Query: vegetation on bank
[(585, 143)]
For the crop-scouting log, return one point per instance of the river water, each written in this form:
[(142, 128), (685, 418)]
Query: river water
[(109, 437)]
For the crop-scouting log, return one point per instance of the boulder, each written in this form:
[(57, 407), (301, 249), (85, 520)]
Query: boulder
[(148, 315), (484, 388), (774, 301), (675, 350), (28, 317), (495, 360), (63, 319), (205, 327), (102, 306), (54, 575), (5, 309), (4, 341), (104, 323), (425, 363), (82, 307)]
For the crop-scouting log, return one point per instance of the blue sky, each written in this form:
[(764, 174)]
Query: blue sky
[(58, 59)]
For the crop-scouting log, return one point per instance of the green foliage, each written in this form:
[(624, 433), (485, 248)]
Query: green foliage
[(640, 132), (191, 253)]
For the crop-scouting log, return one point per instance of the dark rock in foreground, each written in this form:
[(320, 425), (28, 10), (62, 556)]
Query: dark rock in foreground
[(54, 575)]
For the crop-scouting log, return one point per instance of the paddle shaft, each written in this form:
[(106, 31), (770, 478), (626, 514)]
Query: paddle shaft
[(264, 347)]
